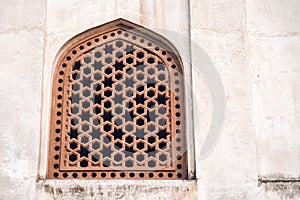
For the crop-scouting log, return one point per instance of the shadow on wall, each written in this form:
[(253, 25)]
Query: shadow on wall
[(205, 68)]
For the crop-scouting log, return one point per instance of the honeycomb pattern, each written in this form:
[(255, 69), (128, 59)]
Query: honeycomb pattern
[(117, 110), (119, 114)]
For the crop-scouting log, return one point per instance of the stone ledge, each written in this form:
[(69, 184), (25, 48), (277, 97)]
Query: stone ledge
[(119, 189)]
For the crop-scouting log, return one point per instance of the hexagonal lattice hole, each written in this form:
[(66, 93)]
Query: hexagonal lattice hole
[(140, 158), (85, 127), (86, 70), (129, 93), (163, 157), (140, 76), (119, 87), (161, 67), (129, 105), (107, 93), (85, 139), (118, 76), (140, 145), (151, 71), (151, 93), (129, 60), (106, 139), (118, 133), (118, 54), (118, 121), (73, 145), (106, 163), (162, 121), (96, 145), (87, 60), (97, 76), (108, 60), (96, 87), (83, 163), (151, 140), (108, 71), (140, 55), (151, 60), (161, 88), (153, 115), (161, 77), (85, 116), (86, 93), (74, 121), (73, 157), (151, 163), (119, 44), (140, 88), (129, 139), (118, 158), (118, 145), (97, 54), (162, 110), (86, 104), (73, 133), (151, 103), (151, 127), (129, 127), (76, 75), (162, 145), (129, 163), (107, 104), (140, 122), (118, 110), (95, 157), (107, 127), (96, 122), (130, 71), (140, 110), (75, 110), (76, 87)]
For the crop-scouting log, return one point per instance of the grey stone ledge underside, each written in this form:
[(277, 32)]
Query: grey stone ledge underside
[(118, 189)]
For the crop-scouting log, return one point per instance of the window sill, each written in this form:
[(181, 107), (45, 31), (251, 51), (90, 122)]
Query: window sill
[(119, 189)]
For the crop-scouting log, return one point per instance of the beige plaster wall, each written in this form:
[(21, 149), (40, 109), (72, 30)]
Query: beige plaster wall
[(252, 46), (22, 54), (274, 47), (230, 170)]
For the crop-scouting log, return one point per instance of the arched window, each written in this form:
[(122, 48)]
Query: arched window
[(118, 107)]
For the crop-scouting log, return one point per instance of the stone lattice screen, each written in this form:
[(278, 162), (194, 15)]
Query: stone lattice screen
[(117, 109)]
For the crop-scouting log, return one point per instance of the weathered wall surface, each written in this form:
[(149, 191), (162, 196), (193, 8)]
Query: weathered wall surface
[(252, 46), (229, 171), (21, 54), (274, 47)]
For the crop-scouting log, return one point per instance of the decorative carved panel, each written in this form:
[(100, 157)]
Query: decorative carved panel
[(117, 109)]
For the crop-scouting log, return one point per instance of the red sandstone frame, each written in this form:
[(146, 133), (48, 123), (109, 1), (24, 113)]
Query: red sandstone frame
[(91, 135)]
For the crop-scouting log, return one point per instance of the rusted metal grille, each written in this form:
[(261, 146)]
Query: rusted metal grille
[(118, 109)]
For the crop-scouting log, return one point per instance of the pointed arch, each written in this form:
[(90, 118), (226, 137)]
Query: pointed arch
[(118, 106)]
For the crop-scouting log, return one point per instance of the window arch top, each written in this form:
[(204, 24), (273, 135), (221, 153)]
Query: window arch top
[(117, 109)]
